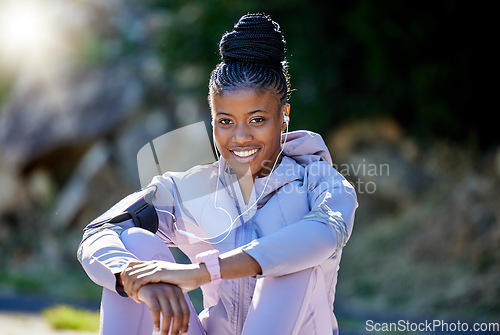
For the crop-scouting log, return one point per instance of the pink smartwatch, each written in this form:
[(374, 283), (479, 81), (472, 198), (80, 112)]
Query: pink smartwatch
[(211, 260)]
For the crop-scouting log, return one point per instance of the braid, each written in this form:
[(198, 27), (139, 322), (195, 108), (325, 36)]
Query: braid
[(253, 57)]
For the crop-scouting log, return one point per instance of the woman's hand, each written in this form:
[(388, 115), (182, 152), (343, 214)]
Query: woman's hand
[(166, 300), (186, 276)]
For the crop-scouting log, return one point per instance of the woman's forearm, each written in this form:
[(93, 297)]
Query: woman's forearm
[(238, 264), (233, 264)]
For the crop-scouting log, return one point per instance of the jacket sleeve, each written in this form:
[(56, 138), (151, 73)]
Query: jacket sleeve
[(101, 251), (102, 254), (319, 235)]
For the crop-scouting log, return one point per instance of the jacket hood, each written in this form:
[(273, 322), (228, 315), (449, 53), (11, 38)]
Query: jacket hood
[(305, 147)]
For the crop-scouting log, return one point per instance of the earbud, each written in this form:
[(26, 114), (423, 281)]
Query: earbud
[(286, 118)]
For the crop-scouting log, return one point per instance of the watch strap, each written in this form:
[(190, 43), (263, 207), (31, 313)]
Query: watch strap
[(211, 260)]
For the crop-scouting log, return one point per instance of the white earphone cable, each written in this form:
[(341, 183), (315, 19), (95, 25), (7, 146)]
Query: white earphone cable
[(227, 231)]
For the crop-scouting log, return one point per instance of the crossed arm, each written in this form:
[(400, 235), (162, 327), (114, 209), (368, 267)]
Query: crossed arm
[(161, 285)]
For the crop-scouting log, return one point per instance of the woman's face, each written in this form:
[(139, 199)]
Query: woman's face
[(247, 129)]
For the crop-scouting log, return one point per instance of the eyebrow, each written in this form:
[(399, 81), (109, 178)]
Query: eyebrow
[(249, 113)]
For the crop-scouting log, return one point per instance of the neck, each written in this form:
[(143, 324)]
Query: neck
[(246, 184), (267, 169)]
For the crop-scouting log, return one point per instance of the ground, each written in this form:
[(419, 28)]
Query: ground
[(23, 323)]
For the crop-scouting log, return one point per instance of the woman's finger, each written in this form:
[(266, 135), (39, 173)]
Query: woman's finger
[(131, 264), (185, 313), (132, 274), (147, 276), (128, 283), (180, 310), (128, 278), (155, 308), (177, 314), (167, 315), (135, 271)]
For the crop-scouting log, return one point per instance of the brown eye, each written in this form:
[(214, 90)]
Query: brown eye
[(225, 121), (257, 120)]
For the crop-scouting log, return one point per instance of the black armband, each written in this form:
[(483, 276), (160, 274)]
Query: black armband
[(137, 206)]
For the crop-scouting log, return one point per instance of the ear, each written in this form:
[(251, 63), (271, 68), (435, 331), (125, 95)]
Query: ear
[(285, 114)]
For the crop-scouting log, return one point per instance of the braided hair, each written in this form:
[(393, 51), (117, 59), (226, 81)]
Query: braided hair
[(253, 57)]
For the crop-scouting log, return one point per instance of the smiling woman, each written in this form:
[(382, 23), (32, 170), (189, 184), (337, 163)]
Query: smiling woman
[(29, 35), (274, 270)]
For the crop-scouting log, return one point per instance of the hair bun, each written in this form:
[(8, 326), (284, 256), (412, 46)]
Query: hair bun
[(256, 39)]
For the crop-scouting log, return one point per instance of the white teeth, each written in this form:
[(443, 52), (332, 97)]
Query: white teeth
[(245, 153)]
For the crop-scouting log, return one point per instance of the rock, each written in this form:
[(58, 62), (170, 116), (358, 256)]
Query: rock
[(75, 110)]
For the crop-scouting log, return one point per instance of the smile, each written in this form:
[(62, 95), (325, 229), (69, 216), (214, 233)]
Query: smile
[(245, 153)]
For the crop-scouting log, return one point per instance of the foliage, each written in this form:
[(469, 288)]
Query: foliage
[(67, 317), (435, 257), (348, 60), (67, 284), (357, 60)]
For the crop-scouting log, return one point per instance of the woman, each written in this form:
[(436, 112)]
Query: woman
[(264, 225)]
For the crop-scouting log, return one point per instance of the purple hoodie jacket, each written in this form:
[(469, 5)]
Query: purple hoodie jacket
[(299, 216)]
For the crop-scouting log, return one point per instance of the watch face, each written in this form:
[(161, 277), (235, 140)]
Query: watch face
[(211, 260)]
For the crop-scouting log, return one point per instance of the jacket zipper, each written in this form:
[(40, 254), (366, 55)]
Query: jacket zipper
[(241, 239), (241, 281)]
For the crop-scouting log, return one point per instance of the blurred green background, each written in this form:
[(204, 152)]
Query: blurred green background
[(394, 87)]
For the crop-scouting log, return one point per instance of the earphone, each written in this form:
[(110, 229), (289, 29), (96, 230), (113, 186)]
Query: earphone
[(286, 118)]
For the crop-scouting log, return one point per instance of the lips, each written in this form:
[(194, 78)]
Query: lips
[(244, 153)]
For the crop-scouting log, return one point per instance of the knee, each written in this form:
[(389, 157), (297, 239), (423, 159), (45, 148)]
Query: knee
[(145, 245), (307, 277), (314, 276), (137, 235), (306, 273)]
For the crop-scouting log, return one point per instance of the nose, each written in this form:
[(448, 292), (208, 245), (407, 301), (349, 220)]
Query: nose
[(241, 134)]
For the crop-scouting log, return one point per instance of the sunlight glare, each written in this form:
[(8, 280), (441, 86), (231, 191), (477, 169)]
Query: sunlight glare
[(28, 33)]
